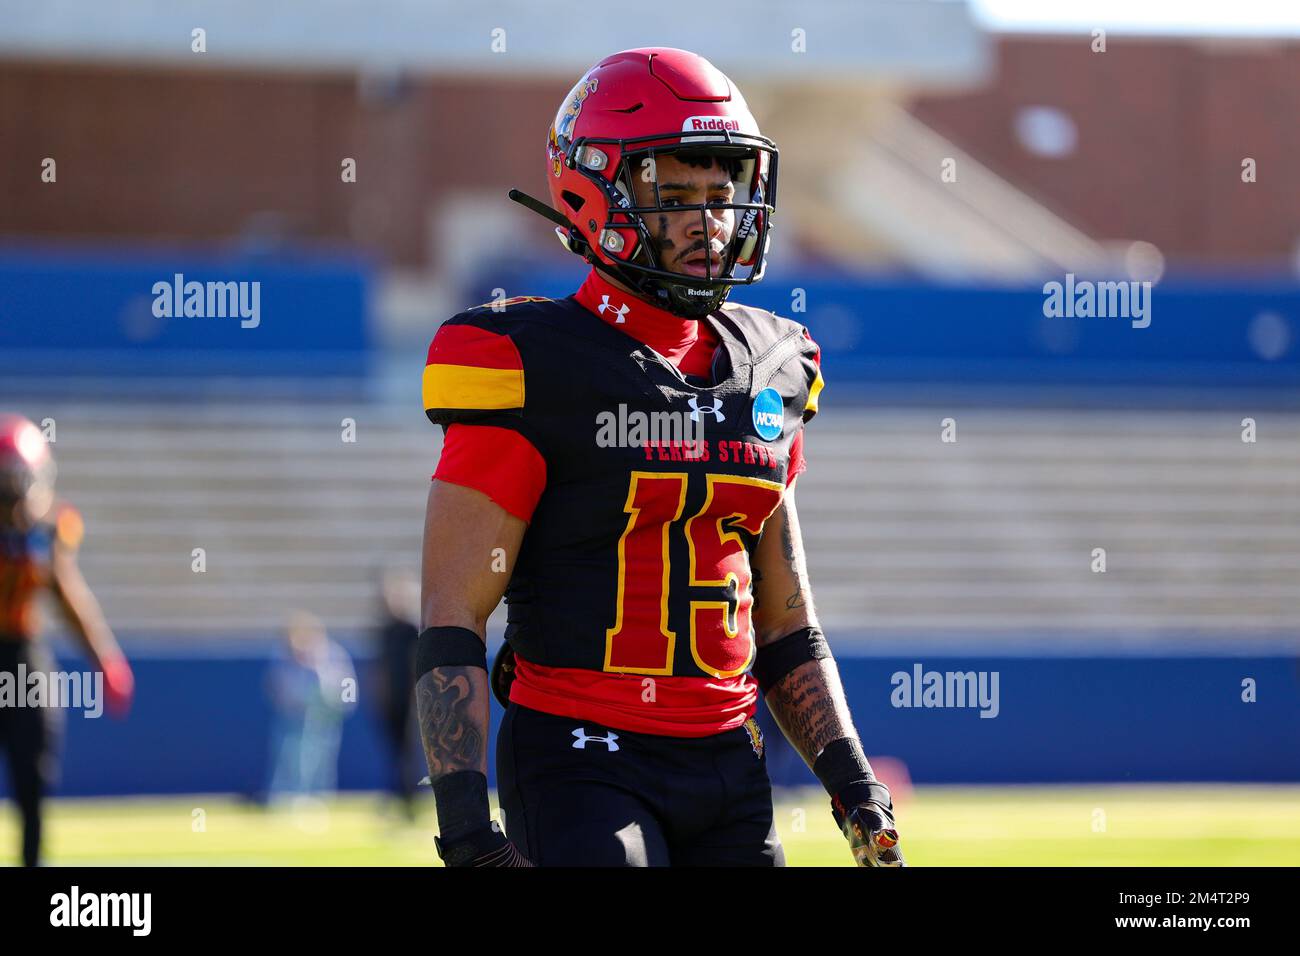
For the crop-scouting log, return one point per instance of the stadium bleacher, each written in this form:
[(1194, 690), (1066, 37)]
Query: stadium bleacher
[(993, 533)]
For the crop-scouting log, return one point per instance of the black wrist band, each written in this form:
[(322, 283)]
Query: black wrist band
[(462, 802), (448, 647), (773, 661), (842, 762)]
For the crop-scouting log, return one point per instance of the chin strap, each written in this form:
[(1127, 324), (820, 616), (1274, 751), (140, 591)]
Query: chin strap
[(686, 301), (694, 306), (543, 210), (567, 231)]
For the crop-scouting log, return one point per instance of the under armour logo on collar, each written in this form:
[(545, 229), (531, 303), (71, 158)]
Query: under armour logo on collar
[(581, 738), (621, 310), (715, 410)]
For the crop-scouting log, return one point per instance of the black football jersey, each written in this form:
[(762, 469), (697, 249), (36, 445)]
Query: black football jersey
[(637, 557)]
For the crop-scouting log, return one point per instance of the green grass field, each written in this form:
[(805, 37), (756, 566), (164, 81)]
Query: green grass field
[(953, 826)]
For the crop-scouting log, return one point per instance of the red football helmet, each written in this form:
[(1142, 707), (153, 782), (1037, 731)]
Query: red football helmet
[(26, 465), (631, 107)]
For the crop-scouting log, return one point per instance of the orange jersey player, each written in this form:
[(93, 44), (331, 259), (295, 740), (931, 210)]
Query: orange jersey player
[(39, 537)]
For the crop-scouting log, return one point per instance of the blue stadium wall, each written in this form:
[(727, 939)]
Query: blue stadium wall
[(67, 310), (88, 309), (1230, 332), (203, 724)]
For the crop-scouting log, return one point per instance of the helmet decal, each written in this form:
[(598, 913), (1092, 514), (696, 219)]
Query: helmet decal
[(567, 117)]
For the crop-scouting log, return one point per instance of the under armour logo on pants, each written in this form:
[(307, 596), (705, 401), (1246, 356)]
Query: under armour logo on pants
[(581, 739)]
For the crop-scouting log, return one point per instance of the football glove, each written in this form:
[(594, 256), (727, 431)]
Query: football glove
[(119, 685), (865, 815), (485, 847)]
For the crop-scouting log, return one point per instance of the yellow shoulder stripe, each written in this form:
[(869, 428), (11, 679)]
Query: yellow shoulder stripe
[(464, 386), (813, 392)]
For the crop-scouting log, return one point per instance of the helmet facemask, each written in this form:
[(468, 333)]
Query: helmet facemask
[(750, 165)]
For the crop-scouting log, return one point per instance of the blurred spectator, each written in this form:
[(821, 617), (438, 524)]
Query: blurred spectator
[(396, 635), (312, 687)]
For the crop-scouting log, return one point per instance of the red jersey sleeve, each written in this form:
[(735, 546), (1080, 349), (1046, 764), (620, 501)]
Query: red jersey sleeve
[(813, 366), (474, 388), (499, 462), (797, 464)]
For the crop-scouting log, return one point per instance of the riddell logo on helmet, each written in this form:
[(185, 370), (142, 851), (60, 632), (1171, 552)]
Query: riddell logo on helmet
[(709, 123)]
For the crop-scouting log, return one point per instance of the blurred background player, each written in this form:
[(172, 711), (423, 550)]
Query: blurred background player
[(39, 537), (395, 638), (309, 692)]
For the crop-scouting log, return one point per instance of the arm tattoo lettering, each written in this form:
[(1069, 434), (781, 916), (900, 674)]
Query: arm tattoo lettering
[(809, 706), (795, 600)]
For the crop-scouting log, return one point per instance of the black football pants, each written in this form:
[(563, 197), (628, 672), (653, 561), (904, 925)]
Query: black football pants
[(29, 738), (576, 793)]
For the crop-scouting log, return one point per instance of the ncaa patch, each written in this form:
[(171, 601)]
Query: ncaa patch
[(755, 736), (769, 414)]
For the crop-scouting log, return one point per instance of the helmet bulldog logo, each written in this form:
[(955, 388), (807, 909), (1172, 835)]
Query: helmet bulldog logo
[(564, 120)]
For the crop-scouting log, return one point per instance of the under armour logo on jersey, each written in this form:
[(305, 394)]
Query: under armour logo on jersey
[(620, 310), (715, 410), (581, 738)]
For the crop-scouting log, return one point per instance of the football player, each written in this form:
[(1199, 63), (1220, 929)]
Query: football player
[(655, 585), (39, 536)]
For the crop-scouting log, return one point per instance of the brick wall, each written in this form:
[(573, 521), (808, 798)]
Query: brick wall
[(173, 155), (1163, 126)]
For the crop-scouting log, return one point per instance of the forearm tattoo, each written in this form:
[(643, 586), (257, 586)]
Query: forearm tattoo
[(451, 704), (808, 704), (795, 600)]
